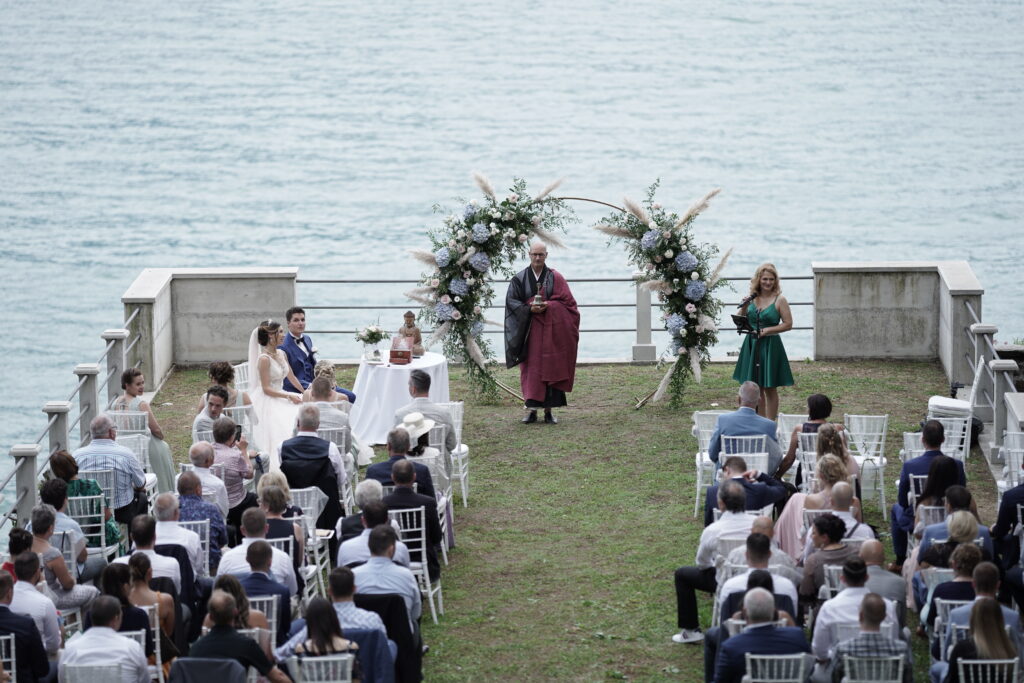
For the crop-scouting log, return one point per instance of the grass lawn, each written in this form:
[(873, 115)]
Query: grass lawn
[(564, 559)]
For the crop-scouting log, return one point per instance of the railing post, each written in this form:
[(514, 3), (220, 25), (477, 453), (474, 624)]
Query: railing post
[(1000, 368), (643, 349), (982, 335), (25, 456), (115, 363), (59, 435), (88, 399)]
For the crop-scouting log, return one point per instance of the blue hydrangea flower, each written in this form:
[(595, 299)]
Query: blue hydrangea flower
[(444, 311), (481, 233), (458, 286), (468, 211), (650, 239), (696, 290), (476, 329), (480, 262), (686, 261), (443, 257), (675, 323)]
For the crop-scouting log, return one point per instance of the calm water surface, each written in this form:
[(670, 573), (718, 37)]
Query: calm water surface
[(321, 134)]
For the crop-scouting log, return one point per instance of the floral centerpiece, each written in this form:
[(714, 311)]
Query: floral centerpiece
[(483, 238), (684, 274), (371, 336)]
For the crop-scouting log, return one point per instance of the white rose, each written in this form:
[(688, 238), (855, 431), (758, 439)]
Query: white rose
[(494, 231), (513, 198), (535, 220), (315, 350), (510, 233), (682, 244), (461, 234), (682, 350), (668, 253), (472, 250), (451, 243), (522, 238), (655, 206), (667, 234), (495, 213), (470, 281), (435, 282), (492, 226), (694, 275), (693, 315), (458, 299), (473, 202), (508, 216), (476, 309)]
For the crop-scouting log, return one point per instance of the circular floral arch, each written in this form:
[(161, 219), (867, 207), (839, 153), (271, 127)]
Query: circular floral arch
[(486, 237)]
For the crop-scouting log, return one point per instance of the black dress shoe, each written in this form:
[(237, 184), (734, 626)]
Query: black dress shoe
[(530, 418), (549, 418)]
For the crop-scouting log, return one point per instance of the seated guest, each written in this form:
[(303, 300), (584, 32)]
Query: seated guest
[(28, 601), (274, 505), (320, 391), (63, 466), (28, 646), (224, 642), (962, 561), (819, 409), (762, 490), (957, 498), (160, 461), (882, 582), (761, 636), (67, 593), (381, 575), (192, 508), (301, 354), (745, 421), (783, 564), (960, 526), (259, 582), (116, 581), (129, 495), (942, 474), (307, 460), (829, 471), (202, 456), (832, 441), (143, 533), (222, 374), (870, 642), (323, 634), (166, 511), (233, 456), (419, 446), (404, 498), (827, 537), (419, 390), (844, 608), (758, 556), (356, 551), (902, 520), (367, 491), (842, 501), (986, 638), (325, 368), (247, 618), (18, 542), (254, 528), (276, 478), (102, 646), (141, 595), (214, 401), (55, 493), (1006, 542), (733, 522), (398, 446)]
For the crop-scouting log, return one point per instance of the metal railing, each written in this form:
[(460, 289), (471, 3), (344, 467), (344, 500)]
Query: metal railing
[(996, 374)]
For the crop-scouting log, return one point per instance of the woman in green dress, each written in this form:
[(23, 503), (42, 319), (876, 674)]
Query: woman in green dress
[(64, 466), (768, 313), (134, 384)]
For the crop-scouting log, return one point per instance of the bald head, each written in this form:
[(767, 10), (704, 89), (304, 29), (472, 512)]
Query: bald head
[(749, 394), (872, 612), (872, 552), (201, 454), (842, 496), (763, 525)]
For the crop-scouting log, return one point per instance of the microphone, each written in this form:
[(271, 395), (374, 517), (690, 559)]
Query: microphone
[(746, 300)]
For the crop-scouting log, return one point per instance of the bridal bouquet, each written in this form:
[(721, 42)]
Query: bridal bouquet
[(371, 334)]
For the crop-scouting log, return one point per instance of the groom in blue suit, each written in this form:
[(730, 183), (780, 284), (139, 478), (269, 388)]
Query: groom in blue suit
[(301, 353), (746, 422)]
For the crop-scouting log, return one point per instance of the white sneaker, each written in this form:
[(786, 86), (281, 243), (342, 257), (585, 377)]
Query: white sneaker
[(688, 636)]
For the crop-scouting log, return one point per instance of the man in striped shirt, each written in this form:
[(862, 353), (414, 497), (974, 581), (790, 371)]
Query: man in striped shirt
[(128, 497)]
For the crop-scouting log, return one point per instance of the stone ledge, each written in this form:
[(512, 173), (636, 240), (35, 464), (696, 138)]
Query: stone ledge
[(151, 282)]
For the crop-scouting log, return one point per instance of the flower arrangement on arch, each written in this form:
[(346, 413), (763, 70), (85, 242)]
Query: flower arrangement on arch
[(483, 238), (679, 269), (372, 334)]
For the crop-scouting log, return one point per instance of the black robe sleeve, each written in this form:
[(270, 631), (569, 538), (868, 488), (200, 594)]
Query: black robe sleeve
[(517, 320)]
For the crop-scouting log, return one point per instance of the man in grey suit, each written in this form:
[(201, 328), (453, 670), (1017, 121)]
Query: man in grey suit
[(419, 388), (890, 586)]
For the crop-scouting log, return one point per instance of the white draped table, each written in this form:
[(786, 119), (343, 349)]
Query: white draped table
[(382, 389)]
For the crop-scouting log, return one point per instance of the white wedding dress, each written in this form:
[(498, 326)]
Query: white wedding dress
[(275, 417)]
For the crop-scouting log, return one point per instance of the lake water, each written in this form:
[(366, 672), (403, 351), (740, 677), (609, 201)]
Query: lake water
[(320, 134)]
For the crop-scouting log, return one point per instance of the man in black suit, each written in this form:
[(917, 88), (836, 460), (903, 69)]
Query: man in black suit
[(1008, 547), (398, 446), (404, 498), (260, 555), (761, 489), (28, 645)]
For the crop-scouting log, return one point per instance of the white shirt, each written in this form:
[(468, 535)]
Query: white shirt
[(783, 564), (334, 455), (298, 342), (233, 562), (738, 584), (730, 524), (30, 602), (358, 550), (102, 645), (845, 607), (860, 531), (211, 484), (163, 566), (170, 532)]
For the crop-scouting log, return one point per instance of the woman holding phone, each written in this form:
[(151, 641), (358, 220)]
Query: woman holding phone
[(231, 450)]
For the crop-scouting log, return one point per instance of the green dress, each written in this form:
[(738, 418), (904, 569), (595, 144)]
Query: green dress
[(160, 461), (774, 363), (89, 487)]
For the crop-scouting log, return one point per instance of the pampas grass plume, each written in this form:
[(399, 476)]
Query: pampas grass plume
[(475, 353), (419, 298), (424, 256), (484, 184), (663, 384), (636, 210), (697, 208), (694, 355), (552, 186), (614, 231), (717, 272), (438, 335), (548, 238)]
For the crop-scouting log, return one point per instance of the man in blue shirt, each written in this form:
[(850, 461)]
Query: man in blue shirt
[(745, 421), (381, 575), (192, 508)]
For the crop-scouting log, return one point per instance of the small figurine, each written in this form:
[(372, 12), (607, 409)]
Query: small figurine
[(409, 329)]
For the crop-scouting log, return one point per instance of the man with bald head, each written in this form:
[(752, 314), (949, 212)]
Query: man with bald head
[(224, 642), (542, 331), (881, 581), (745, 421)]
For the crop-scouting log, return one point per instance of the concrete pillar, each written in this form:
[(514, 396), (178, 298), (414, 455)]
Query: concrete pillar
[(88, 399), (1001, 369), (981, 333), (25, 457), (115, 363), (59, 436), (643, 349)]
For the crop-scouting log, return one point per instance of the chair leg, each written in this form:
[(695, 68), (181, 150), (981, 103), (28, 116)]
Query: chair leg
[(425, 588)]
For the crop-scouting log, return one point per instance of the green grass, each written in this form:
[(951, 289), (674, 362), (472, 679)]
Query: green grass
[(563, 568)]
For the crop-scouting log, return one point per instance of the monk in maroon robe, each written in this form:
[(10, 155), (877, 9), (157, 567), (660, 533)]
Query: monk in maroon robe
[(542, 331)]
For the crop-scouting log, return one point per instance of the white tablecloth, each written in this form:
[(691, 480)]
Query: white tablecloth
[(382, 389)]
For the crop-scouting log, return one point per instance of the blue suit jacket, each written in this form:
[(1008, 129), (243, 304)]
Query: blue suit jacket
[(763, 492), (761, 640), (746, 422), (381, 471), (1009, 550), (918, 466), (301, 363), (940, 531), (258, 583)]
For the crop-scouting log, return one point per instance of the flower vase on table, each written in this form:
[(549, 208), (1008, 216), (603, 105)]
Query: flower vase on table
[(371, 352), (371, 336)]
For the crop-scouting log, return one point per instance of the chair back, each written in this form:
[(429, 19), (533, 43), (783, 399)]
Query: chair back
[(944, 607), (241, 376), (988, 670), (704, 426), (867, 435), (957, 433), (327, 668), (931, 514), (130, 421), (137, 444), (442, 482), (933, 576), (105, 479), (200, 670), (457, 410), (153, 614), (388, 489), (833, 573), (787, 422), (855, 544), (88, 673), (412, 521), (204, 435), (7, 656), (912, 446), (873, 669), (1013, 457), (285, 543), (776, 668), (807, 450), (202, 529), (811, 515), (61, 540), (215, 469), (743, 445), (267, 604), (917, 484), (88, 512), (138, 636), (311, 499), (726, 544), (339, 436), (242, 415), (845, 630)]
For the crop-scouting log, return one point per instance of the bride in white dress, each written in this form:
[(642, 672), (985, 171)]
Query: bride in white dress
[(274, 407)]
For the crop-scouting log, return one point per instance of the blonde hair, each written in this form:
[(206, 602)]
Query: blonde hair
[(755, 282), (830, 470), (274, 478), (324, 368), (830, 442), (963, 527), (988, 631)]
